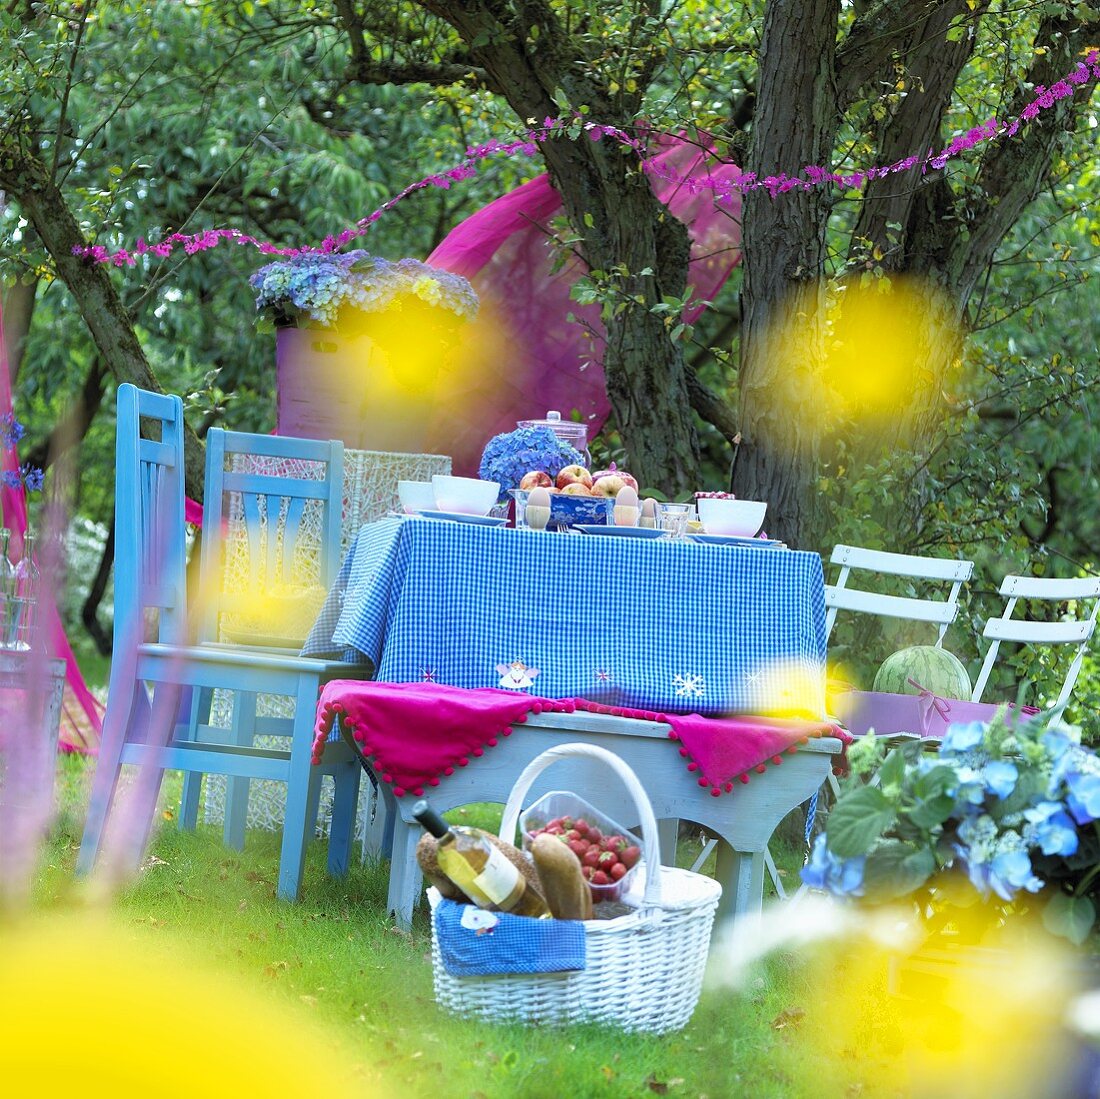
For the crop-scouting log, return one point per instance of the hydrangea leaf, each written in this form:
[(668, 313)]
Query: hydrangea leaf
[(858, 819), (1069, 916), (894, 869)]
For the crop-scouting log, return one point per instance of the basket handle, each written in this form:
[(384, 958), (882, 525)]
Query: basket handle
[(650, 839)]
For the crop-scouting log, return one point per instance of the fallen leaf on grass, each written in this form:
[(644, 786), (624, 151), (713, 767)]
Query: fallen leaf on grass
[(275, 968), (660, 1087), (309, 1001), (608, 1072), (791, 1016)]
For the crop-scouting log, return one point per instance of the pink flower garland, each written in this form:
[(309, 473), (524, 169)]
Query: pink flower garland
[(812, 176)]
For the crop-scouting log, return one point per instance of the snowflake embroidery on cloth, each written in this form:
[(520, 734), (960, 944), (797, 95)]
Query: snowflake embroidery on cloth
[(691, 686), (427, 675), (603, 675)]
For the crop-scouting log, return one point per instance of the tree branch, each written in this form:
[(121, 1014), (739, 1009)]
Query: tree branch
[(1013, 170), (709, 406), (439, 73), (871, 41)]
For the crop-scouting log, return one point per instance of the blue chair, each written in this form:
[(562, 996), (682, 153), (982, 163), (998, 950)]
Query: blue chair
[(169, 729)]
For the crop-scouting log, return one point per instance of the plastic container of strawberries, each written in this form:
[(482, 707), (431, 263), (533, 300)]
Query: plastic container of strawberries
[(560, 808)]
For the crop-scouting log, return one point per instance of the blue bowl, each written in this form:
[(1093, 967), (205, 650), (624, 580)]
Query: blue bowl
[(569, 511)]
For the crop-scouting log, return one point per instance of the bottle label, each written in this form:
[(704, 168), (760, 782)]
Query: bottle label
[(498, 879)]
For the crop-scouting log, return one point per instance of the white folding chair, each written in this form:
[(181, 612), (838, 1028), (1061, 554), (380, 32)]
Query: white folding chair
[(872, 564), (1028, 631), (941, 612)]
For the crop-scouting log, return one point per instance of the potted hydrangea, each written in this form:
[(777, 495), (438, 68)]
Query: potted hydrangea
[(359, 342), (1004, 813)]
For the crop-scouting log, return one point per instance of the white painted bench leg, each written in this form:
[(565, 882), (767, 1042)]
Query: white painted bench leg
[(743, 873), (378, 828), (668, 832), (405, 876)]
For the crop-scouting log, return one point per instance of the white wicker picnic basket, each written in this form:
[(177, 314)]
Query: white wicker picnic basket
[(644, 970)]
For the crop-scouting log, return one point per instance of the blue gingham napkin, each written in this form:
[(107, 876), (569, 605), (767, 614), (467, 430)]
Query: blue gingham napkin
[(474, 942)]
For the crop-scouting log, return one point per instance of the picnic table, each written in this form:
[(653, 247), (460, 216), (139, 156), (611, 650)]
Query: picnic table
[(668, 626)]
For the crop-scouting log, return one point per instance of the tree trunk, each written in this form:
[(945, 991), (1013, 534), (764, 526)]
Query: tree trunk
[(27, 180), (783, 245), (621, 224), (18, 311)]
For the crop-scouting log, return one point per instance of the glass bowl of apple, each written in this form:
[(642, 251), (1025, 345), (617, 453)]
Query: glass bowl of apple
[(578, 497)]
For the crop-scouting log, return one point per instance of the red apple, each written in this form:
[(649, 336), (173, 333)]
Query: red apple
[(611, 471), (576, 488), (574, 475), (535, 479), (608, 485)]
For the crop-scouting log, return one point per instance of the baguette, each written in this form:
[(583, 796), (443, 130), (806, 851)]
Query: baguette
[(567, 894)]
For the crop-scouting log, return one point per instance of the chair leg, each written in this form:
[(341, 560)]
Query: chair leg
[(236, 788), (122, 696), (200, 701), (405, 876), (303, 790), (342, 828)]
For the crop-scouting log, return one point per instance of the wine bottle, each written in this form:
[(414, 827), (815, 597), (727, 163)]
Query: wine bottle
[(480, 869), (9, 616)]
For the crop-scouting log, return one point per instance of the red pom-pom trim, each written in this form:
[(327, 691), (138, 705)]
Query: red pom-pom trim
[(704, 782), (744, 778)]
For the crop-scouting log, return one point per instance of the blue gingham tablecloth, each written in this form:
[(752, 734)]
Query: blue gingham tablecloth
[(671, 626)]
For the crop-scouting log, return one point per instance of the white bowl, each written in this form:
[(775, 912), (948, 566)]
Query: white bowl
[(467, 495), (416, 496), (741, 518)]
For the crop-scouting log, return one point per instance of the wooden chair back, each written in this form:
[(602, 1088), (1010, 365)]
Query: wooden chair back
[(150, 545), (271, 522)]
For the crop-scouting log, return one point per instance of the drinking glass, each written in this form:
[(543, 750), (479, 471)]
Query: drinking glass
[(673, 519)]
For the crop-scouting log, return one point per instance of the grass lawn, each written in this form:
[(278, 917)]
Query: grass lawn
[(336, 962)]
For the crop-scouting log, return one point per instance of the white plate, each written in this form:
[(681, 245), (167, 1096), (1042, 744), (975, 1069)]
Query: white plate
[(621, 532), (460, 517), (737, 540)]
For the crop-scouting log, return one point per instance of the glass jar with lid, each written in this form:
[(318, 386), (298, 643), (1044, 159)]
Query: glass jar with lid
[(576, 435)]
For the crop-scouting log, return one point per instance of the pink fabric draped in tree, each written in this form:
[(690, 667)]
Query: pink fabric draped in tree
[(78, 733), (549, 362)]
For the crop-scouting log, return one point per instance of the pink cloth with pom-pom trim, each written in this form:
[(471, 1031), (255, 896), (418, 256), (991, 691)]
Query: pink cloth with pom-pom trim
[(415, 733)]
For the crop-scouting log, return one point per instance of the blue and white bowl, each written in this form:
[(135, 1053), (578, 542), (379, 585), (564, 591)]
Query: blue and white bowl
[(569, 511)]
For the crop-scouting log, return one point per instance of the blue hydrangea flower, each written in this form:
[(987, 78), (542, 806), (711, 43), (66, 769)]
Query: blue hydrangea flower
[(1010, 872), (841, 877), (1000, 777), (317, 285), (507, 457), (1084, 796), (1050, 828), (961, 738)]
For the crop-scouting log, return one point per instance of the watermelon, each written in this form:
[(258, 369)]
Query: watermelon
[(935, 669)]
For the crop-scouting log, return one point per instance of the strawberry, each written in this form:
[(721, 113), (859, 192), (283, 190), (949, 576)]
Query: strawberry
[(579, 848), (588, 872), (614, 843), (617, 871), (555, 823), (594, 834), (600, 878), (572, 834), (581, 825), (630, 855), (566, 823), (592, 857), (606, 859), (553, 829)]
